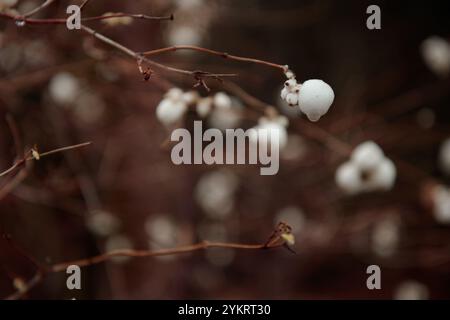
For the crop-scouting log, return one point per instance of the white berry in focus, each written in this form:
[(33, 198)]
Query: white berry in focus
[(315, 98), (444, 157)]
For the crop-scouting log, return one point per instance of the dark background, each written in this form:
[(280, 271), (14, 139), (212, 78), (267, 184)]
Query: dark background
[(380, 82)]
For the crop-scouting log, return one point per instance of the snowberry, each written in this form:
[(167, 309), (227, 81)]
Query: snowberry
[(441, 204), (383, 177), (182, 34), (174, 93), (348, 178), (315, 98), (222, 100), (284, 92), (162, 230), (289, 74), (367, 170), (411, 290), (436, 54), (223, 119), (64, 88), (444, 157), (290, 84), (385, 236), (215, 193), (170, 111), (367, 155)]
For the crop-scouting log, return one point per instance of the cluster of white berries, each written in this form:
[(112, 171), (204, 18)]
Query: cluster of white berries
[(270, 130), (314, 97), (436, 54), (116, 21), (176, 103), (64, 88), (367, 170)]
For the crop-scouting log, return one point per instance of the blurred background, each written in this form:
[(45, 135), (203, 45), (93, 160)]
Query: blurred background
[(64, 87)]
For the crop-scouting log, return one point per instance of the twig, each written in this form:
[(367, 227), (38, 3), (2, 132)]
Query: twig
[(63, 21), (130, 15), (29, 157), (215, 53), (154, 253), (271, 243)]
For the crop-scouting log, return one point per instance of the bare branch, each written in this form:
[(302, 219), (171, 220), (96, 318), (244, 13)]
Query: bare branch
[(215, 53), (276, 240)]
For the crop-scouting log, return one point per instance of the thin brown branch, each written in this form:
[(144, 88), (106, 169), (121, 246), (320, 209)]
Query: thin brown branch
[(30, 157), (130, 15), (197, 74), (34, 281), (31, 21), (215, 53)]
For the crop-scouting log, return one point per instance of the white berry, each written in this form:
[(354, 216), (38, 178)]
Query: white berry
[(64, 88), (270, 131), (367, 170), (444, 157), (383, 177), (367, 155), (315, 98), (348, 178), (441, 204)]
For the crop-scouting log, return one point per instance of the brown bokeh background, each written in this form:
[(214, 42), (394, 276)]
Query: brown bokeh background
[(383, 91)]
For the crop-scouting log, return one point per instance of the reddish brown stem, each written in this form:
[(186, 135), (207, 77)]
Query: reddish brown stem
[(215, 53)]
